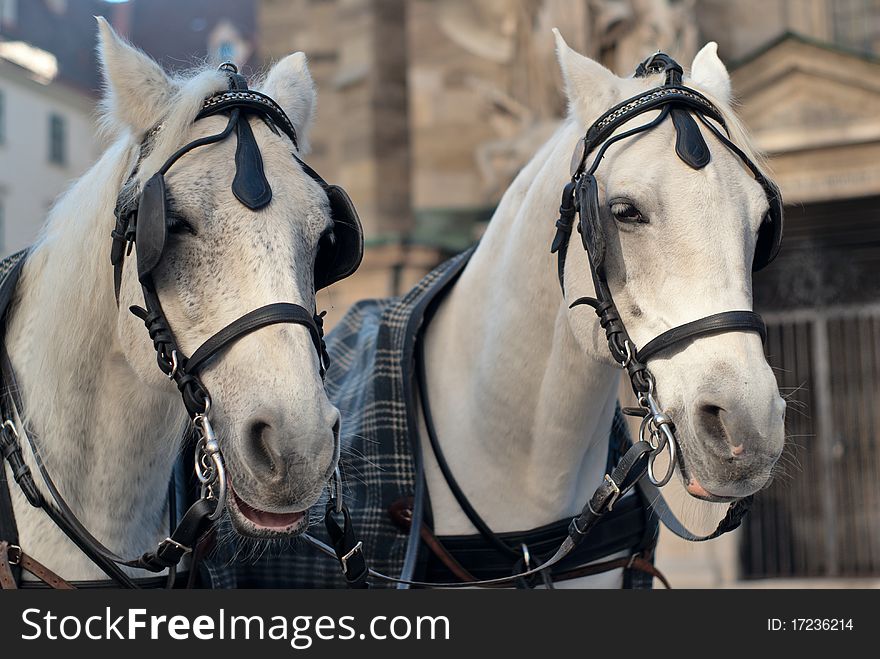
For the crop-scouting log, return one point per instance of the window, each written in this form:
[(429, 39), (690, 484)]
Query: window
[(57, 140), (2, 118)]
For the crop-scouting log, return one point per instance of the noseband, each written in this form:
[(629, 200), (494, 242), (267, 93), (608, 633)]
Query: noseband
[(580, 198)]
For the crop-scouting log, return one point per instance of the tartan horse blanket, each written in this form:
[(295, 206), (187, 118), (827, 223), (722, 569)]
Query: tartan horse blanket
[(371, 380)]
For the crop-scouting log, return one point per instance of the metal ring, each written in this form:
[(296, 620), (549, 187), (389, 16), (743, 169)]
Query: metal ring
[(207, 402), (669, 470), (649, 439)]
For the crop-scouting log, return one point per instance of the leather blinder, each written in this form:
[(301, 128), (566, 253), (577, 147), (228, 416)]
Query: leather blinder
[(346, 254), (152, 228), (590, 226)]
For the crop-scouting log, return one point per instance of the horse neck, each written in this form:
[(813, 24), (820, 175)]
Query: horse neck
[(522, 410), (108, 440)]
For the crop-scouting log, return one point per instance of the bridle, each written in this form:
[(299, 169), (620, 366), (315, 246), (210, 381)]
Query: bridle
[(657, 431), (580, 198), (142, 223)]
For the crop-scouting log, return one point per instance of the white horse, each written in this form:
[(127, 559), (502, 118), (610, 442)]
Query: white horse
[(108, 422), (523, 388)]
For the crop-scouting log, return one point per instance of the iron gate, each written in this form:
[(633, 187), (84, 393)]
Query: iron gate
[(821, 515)]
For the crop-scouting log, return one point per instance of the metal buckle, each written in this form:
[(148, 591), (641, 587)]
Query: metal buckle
[(10, 426), (18, 554), (615, 495), (183, 548), (344, 559)]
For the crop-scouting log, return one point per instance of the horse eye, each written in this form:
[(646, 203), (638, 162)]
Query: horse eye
[(627, 213), (178, 224)]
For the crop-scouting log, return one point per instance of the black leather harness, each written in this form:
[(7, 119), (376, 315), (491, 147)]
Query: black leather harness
[(144, 224)]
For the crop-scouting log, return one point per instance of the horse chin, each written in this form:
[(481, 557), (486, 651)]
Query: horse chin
[(720, 493), (252, 522)]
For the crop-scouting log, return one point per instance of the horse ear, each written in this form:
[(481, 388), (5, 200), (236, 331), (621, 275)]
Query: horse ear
[(590, 87), (137, 91), (291, 85), (709, 73)]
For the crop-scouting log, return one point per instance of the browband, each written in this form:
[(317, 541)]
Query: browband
[(651, 100), (249, 100)]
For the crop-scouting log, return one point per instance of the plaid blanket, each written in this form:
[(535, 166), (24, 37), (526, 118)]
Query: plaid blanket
[(371, 381)]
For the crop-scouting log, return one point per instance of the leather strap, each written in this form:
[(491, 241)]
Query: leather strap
[(271, 314), (8, 581), (634, 562), (735, 514), (349, 550), (726, 321), (12, 555), (251, 102), (401, 513)]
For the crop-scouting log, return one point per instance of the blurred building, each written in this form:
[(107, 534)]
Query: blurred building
[(47, 130), (49, 83)]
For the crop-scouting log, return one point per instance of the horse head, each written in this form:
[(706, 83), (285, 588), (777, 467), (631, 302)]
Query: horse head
[(236, 225), (679, 222)]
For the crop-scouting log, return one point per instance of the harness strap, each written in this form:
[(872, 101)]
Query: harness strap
[(635, 562), (167, 555), (196, 521), (348, 549), (726, 321), (271, 314), (12, 556), (735, 514)]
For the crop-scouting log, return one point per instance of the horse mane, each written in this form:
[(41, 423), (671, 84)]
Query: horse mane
[(68, 266)]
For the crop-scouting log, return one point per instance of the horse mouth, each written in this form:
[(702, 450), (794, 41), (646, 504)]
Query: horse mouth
[(255, 522), (696, 490)]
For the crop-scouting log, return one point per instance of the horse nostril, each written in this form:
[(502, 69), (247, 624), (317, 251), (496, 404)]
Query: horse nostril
[(709, 418), (261, 441)]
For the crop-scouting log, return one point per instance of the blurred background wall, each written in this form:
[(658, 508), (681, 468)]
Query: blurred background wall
[(428, 108)]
